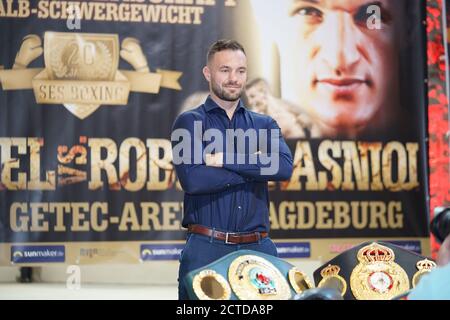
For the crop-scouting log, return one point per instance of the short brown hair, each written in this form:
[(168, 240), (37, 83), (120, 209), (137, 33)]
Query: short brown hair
[(221, 45)]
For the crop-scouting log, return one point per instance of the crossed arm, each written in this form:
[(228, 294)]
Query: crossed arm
[(213, 174)]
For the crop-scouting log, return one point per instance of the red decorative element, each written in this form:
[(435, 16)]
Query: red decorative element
[(438, 124), (262, 278)]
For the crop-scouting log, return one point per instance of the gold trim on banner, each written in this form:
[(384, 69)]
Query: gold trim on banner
[(210, 285), (81, 71), (170, 79), (424, 266), (377, 276), (255, 278), (332, 279), (143, 82), (299, 280), (18, 79)]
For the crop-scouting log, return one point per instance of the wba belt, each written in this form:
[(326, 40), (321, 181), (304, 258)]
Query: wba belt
[(373, 271)]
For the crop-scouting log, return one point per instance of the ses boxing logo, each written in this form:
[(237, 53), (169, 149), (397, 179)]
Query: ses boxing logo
[(81, 71), (151, 252), (32, 254)]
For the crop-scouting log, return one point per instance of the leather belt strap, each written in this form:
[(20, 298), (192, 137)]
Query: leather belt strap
[(228, 237)]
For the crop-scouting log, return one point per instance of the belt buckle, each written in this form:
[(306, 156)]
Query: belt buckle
[(226, 238)]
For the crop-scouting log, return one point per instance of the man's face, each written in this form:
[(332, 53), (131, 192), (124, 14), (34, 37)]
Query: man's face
[(335, 67), (227, 74)]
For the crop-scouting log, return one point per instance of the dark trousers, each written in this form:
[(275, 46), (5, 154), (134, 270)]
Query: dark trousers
[(202, 250)]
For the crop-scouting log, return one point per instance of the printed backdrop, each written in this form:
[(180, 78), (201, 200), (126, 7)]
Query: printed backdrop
[(89, 92)]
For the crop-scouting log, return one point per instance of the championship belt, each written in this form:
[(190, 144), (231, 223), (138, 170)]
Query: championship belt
[(373, 270), (246, 275)]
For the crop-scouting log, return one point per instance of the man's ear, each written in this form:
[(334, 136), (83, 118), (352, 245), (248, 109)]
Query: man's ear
[(207, 73)]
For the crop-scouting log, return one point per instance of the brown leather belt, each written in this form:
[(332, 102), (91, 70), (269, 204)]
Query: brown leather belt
[(228, 237)]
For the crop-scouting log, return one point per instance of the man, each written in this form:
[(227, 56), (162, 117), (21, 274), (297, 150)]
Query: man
[(338, 60), (226, 203)]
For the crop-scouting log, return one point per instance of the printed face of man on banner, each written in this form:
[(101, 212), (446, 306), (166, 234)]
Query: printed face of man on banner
[(338, 59)]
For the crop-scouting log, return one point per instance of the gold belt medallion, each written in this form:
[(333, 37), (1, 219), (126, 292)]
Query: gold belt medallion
[(210, 285), (332, 279), (81, 71), (424, 267), (255, 278), (377, 276), (299, 280)]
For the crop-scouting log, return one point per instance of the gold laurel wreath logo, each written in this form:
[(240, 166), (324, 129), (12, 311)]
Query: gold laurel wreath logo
[(69, 70)]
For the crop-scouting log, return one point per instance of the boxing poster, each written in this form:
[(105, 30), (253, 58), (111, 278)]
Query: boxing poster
[(90, 90)]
